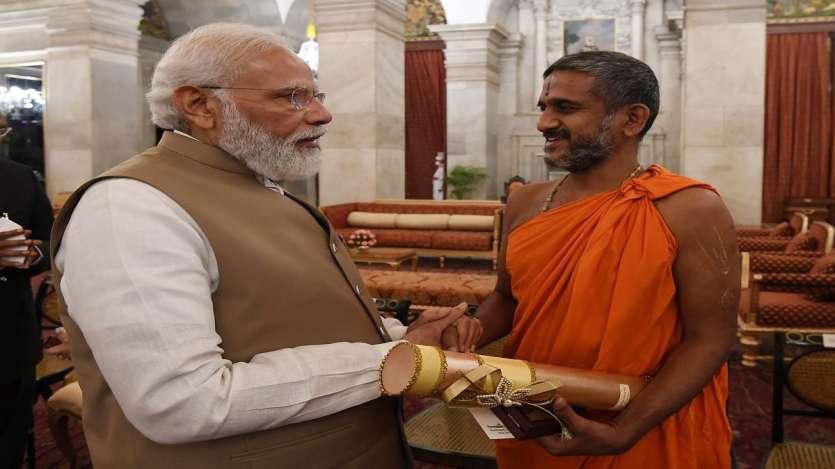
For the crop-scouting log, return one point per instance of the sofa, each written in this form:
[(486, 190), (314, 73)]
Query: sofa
[(429, 288), (449, 228)]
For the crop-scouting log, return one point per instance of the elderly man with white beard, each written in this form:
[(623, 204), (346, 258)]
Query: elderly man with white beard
[(215, 320)]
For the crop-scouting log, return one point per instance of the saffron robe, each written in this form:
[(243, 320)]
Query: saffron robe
[(594, 284)]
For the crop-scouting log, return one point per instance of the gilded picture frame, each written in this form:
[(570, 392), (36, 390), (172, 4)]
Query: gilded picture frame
[(597, 33)]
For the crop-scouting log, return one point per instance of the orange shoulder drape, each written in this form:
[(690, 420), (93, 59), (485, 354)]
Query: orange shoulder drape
[(595, 290)]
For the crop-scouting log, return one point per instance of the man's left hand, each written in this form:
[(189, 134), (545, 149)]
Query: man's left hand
[(462, 336), (590, 438)]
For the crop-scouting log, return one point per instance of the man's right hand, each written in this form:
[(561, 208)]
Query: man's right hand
[(10, 248), (428, 327)]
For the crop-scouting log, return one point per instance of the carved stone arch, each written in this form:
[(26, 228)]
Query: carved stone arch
[(498, 11)]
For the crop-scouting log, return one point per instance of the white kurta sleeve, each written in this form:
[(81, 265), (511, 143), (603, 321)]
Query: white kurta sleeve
[(138, 278)]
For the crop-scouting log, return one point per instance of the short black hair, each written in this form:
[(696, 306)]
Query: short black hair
[(618, 79)]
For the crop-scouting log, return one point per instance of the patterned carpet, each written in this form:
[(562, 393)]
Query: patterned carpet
[(750, 411), (749, 407)]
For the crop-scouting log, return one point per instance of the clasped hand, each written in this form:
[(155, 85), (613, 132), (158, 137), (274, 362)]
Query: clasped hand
[(10, 248), (448, 328), (589, 437)]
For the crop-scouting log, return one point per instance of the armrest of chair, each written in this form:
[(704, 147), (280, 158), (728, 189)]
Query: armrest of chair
[(498, 217), (752, 231), (762, 244), (795, 280), (795, 254), (768, 262)]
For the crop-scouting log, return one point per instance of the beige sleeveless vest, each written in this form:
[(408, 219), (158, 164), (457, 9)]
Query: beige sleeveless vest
[(285, 280)]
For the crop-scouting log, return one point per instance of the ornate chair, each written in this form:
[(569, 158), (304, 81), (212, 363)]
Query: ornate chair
[(63, 406), (818, 238), (798, 223), (792, 299), (811, 378)]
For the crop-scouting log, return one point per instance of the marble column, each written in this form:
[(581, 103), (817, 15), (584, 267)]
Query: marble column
[(638, 7), (724, 101), (540, 44), (669, 119), (510, 53), (510, 103), (472, 60), (361, 67), (92, 118), (527, 74)]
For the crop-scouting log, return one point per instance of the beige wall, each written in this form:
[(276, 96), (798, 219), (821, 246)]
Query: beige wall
[(724, 101)]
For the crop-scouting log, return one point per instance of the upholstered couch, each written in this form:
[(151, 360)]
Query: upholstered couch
[(468, 229), (429, 288)]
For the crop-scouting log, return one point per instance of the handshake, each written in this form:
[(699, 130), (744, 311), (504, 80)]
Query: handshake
[(448, 328)]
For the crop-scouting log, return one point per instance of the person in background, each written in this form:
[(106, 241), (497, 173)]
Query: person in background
[(23, 199)]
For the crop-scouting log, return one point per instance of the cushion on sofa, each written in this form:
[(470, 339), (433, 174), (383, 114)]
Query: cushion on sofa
[(449, 209), (423, 221), (372, 220), (430, 289), (463, 240), (471, 222), (393, 238)]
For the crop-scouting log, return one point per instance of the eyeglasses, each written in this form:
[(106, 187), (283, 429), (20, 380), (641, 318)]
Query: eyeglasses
[(299, 97)]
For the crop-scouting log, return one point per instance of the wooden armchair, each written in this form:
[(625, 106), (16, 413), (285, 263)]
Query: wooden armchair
[(791, 298), (818, 238), (798, 223), (786, 293)]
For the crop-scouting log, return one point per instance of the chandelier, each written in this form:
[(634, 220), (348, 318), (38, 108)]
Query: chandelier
[(16, 100), (309, 50)]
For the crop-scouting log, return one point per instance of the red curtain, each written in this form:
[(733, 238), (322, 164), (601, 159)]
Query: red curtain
[(798, 123), (425, 115)]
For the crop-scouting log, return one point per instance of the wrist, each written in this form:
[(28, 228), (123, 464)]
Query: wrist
[(627, 434)]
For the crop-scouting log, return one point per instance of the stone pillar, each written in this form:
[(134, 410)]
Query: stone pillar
[(361, 67), (724, 101), (669, 119), (509, 105), (92, 118), (540, 45), (638, 7), (509, 58), (527, 74), (472, 60), (93, 91)]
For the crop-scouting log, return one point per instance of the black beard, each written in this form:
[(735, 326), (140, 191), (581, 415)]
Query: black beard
[(585, 152)]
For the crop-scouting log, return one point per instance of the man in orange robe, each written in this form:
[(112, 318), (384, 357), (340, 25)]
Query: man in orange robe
[(621, 269)]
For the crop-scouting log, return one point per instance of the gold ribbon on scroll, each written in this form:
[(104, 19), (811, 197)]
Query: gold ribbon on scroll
[(502, 384)]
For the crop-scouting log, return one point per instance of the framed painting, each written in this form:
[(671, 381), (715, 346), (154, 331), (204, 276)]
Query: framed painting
[(800, 11), (588, 34)]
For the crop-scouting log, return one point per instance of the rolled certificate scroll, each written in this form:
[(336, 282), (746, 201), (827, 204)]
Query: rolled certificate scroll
[(470, 379)]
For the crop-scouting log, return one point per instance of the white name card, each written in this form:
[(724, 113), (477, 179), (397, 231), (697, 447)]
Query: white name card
[(829, 340), (492, 426)]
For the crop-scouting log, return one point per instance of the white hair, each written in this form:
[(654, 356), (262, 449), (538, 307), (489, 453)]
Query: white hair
[(214, 55)]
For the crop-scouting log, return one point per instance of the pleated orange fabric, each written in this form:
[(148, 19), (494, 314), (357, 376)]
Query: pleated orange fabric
[(595, 290)]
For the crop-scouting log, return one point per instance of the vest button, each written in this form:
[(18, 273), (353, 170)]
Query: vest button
[(333, 247), (382, 330), (357, 288)]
